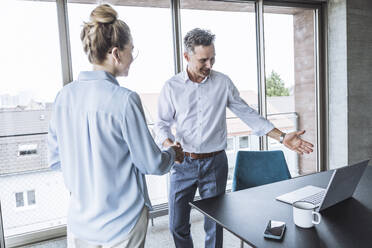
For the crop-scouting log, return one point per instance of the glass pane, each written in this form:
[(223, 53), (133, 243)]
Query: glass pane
[(31, 79), (19, 199), (290, 79), (31, 197), (149, 71), (235, 45)]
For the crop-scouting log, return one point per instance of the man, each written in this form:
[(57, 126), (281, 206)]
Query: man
[(195, 101)]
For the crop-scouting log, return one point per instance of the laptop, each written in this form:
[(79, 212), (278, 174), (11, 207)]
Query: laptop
[(340, 187)]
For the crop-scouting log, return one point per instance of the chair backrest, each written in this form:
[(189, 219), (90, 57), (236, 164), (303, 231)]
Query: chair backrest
[(2, 239), (255, 168)]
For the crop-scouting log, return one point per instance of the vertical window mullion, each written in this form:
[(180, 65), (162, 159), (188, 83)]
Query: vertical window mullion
[(261, 67), (64, 39), (177, 37), (321, 92)]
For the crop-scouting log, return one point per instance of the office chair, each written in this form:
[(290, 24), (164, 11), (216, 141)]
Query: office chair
[(255, 168)]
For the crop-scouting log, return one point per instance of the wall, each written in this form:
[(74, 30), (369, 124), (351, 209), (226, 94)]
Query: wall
[(359, 63), (350, 87)]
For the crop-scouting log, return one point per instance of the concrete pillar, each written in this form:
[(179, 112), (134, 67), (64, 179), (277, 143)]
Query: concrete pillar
[(359, 62), (337, 69), (350, 81)]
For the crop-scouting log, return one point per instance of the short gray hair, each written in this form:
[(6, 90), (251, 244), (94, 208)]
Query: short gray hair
[(197, 37)]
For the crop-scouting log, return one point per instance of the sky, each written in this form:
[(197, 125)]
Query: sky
[(30, 51)]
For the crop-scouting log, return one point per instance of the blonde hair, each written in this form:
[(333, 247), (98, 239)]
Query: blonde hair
[(103, 32)]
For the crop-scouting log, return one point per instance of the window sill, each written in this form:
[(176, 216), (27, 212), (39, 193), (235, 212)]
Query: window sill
[(35, 237)]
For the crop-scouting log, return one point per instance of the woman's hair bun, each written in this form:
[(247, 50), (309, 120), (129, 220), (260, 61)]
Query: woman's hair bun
[(103, 32), (103, 14)]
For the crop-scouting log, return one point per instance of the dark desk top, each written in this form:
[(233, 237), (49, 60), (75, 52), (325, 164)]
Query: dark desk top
[(246, 213)]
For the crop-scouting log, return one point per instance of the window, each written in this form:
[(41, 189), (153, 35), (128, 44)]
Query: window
[(19, 199), (235, 57), (291, 78), (153, 40), (24, 150), (30, 82), (31, 197), (30, 200), (148, 72), (26, 99), (243, 142)]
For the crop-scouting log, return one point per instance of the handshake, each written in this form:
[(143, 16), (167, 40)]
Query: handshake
[(177, 148)]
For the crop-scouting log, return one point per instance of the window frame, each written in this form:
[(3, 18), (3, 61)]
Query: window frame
[(322, 109)]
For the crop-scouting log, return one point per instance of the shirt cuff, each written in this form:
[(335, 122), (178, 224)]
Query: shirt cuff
[(161, 138), (267, 127)]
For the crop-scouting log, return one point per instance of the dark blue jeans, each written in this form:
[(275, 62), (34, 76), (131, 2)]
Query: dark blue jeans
[(210, 176)]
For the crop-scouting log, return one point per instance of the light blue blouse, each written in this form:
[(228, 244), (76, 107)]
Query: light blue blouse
[(99, 138)]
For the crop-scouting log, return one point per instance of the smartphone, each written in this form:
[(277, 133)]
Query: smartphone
[(274, 229)]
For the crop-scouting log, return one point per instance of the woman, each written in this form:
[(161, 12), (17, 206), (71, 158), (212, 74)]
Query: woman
[(99, 138)]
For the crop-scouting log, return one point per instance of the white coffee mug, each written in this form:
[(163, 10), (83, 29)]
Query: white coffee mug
[(304, 215)]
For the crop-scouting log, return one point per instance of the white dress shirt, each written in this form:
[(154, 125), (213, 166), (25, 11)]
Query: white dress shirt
[(198, 111)]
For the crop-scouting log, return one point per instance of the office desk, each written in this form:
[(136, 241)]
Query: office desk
[(245, 213)]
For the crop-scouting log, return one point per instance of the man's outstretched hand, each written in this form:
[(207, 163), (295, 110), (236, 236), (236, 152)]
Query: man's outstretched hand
[(294, 142)]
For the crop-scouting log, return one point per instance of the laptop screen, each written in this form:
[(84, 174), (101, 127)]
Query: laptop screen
[(343, 184)]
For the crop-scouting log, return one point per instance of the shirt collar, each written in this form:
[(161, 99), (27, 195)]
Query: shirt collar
[(186, 77), (97, 75)]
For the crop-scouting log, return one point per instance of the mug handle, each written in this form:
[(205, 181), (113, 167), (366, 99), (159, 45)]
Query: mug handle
[(319, 217)]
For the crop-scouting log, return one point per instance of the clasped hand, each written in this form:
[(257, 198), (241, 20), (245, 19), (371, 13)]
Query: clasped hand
[(179, 153)]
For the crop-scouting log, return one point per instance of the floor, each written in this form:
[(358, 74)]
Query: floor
[(158, 235)]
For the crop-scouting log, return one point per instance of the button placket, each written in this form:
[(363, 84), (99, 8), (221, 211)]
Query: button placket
[(200, 116)]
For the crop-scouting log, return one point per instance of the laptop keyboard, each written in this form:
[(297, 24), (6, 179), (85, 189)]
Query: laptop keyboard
[(315, 199)]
